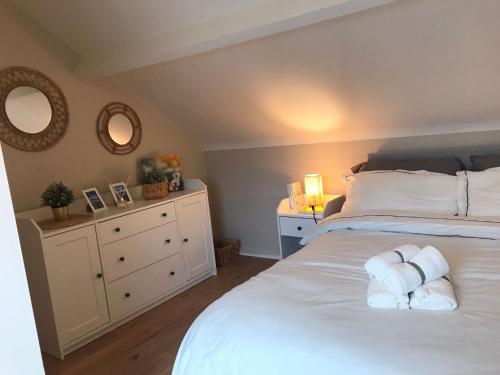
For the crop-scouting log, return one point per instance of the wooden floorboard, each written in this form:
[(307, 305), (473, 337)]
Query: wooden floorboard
[(149, 343)]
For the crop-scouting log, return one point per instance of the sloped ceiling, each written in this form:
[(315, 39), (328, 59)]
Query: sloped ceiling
[(118, 35), (410, 67)]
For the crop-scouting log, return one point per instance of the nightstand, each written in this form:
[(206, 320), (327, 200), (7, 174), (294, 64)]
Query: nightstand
[(293, 225)]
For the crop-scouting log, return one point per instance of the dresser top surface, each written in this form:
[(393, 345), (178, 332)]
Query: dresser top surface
[(139, 204)]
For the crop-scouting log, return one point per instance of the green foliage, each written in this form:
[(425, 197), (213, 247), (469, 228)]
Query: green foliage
[(152, 175), (57, 195)]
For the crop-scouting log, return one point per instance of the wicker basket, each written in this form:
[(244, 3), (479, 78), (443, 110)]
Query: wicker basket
[(155, 191), (226, 251)]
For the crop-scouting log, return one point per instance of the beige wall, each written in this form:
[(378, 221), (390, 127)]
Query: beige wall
[(246, 185), (79, 159)]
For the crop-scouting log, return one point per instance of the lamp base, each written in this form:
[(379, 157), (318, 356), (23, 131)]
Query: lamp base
[(309, 210)]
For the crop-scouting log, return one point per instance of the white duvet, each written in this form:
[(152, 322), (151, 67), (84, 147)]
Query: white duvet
[(308, 314)]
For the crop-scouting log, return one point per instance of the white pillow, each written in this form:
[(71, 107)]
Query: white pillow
[(483, 192), (408, 191)]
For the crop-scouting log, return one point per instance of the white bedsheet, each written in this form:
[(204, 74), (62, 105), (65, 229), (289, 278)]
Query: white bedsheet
[(308, 314)]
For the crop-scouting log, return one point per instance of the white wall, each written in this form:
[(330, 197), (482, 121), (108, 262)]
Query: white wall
[(19, 349)]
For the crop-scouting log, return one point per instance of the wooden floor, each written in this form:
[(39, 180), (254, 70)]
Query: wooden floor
[(149, 343)]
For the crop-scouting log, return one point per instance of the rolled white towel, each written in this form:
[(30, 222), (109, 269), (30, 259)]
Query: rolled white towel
[(434, 295), (376, 264), (426, 266), (381, 297)]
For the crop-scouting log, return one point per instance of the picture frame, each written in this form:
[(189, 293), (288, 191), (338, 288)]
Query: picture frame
[(170, 168), (120, 188), (94, 199), (296, 196)]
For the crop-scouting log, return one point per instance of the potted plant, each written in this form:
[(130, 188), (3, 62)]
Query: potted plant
[(58, 196), (154, 184)]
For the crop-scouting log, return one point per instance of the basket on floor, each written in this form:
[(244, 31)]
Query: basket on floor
[(226, 251), (155, 191)]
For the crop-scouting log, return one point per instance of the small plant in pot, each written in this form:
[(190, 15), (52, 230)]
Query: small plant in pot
[(154, 184), (58, 196)]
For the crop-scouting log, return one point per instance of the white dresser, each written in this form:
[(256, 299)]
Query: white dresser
[(87, 279)]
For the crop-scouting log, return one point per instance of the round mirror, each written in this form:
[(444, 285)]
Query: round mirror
[(120, 129), (34, 114), (28, 109)]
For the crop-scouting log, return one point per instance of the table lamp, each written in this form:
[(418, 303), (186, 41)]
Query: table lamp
[(314, 191)]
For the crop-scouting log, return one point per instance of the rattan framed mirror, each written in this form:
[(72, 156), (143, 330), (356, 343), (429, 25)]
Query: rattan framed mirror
[(34, 113), (119, 128)]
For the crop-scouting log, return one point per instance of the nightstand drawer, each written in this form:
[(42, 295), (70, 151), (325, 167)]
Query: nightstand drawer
[(294, 227)]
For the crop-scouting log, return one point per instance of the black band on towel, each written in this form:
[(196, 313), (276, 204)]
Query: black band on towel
[(400, 255), (420, 271), (447, 279)]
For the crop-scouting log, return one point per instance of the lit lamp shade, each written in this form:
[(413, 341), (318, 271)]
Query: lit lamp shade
[(314, 189)]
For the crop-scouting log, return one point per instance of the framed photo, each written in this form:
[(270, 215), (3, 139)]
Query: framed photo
[(170, 168), (296, 196), (120, 192), (94, 199)]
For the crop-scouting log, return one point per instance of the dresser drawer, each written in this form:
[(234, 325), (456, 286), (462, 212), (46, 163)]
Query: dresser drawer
[(125, 256), (295, 227), (128, 225), (144, 286)]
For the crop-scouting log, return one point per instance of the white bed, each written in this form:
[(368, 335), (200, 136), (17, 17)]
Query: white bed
[(308, 313)]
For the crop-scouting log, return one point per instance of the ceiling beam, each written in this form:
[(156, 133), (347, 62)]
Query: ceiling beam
[(257, 20)]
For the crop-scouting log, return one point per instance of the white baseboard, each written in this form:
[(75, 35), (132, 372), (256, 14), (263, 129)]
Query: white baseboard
[(259, 255)]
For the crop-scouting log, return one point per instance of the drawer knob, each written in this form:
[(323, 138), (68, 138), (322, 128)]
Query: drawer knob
[(117, 229), (127, 295), (167, 240), (172, 273), (164, 214), (99, 275), (185, 240), (299, 228), (121, 259)]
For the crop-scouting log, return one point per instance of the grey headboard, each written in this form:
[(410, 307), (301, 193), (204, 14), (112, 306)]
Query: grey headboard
[(462, 153)]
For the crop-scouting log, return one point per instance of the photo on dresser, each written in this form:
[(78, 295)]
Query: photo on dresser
[(94, 199), (120, 193), (170, 168)]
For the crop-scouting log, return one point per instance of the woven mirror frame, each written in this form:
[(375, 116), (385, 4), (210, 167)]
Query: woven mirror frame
[(103, 128), (18, 76)]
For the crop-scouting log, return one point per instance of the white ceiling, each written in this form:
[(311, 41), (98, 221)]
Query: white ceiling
[(410, 67), (93, 26), (413, 67), (118, 35)]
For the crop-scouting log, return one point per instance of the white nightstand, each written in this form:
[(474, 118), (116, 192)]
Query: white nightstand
[(293, 225)]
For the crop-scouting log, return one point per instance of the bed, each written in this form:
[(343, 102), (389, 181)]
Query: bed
[(308, 313)]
